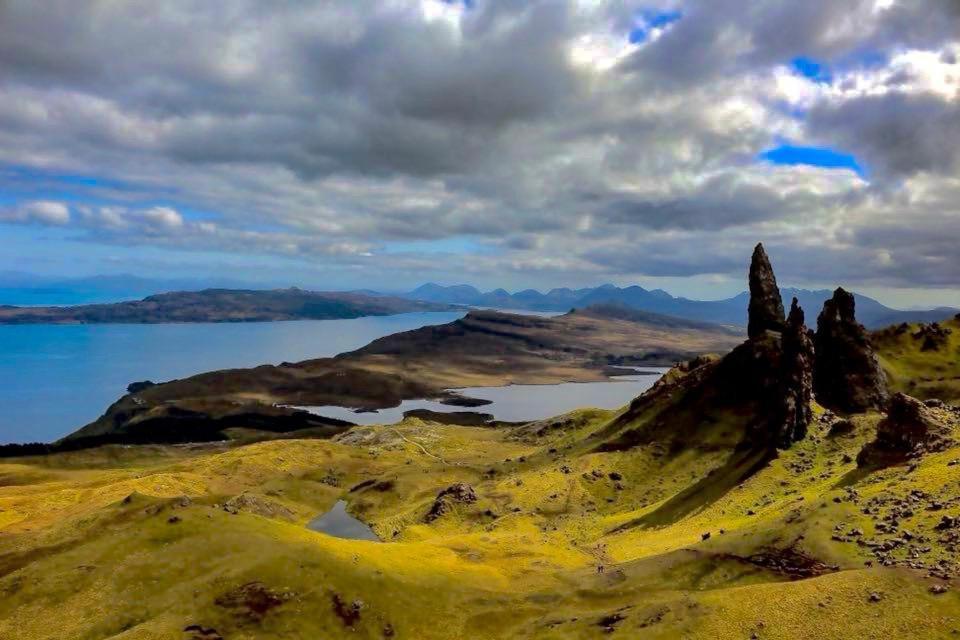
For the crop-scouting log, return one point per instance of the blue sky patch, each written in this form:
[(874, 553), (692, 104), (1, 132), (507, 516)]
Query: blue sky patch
[(452, 245), (650, 20), (809, 68), (813, 156)]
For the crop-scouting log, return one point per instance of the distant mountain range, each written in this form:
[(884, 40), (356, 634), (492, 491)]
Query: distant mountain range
[(28, 293), (731, 311)]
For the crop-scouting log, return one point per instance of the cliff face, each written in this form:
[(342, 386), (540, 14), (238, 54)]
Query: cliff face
[(847, 375)]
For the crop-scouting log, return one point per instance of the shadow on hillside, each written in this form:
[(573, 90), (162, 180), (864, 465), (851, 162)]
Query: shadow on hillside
[(855, 475), (742, 464)]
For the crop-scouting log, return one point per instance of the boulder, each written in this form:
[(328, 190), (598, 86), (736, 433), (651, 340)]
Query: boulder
[(457, 493), (847, 375), (766, 306), (911, 428)]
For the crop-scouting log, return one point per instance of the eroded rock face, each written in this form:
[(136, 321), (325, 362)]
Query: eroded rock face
[(847, 375), (457, 493), (797, 381), (910, 428), (779, 373), (766, 305)]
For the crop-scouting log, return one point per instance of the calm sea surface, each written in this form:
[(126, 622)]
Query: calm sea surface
[(56, 378)]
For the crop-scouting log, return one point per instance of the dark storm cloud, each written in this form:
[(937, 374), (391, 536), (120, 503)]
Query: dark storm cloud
[(901, 133), (721, 202)]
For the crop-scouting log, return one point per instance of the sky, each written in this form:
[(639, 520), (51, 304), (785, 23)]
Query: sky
[(383, 144)]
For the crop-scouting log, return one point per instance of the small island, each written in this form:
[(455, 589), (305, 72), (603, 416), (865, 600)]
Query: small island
[(224, 305)]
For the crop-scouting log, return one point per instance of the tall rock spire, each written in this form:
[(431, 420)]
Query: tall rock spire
[(766, 306), (797, 378), (847, 375)]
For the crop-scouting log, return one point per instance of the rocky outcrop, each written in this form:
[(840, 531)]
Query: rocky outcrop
[(911, 428), (783, 358), (779, 371), (768, 378), (457, 493), (766, 306), (137, 387), (797, 379), (847, 375), (258, 505), (934, 336)]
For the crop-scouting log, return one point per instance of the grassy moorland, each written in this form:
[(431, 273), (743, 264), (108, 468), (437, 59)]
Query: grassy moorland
[(922, 359), (146, 542)]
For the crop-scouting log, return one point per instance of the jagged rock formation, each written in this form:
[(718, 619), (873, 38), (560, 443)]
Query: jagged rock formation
[(798, 358), (768, 378), (911, 428), (783, 358), (766, 307), (934, 336), (847, 375), (457, 493)]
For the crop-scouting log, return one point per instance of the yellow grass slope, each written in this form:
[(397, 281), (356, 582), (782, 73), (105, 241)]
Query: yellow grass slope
[(148, 542)]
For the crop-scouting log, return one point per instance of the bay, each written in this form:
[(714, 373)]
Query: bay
[(56, 378)]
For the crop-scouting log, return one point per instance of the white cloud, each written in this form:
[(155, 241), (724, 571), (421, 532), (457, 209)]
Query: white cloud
[(43, 212), (47, 212), (163, 218)]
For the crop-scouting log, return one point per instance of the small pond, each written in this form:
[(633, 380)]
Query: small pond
[(340, 524)]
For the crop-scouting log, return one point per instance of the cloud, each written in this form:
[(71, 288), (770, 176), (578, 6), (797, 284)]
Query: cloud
[(44, 212), (549, 133), (163, 218)]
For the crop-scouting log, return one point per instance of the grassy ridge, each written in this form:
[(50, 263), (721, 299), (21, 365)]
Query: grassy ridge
[(931, 372)]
